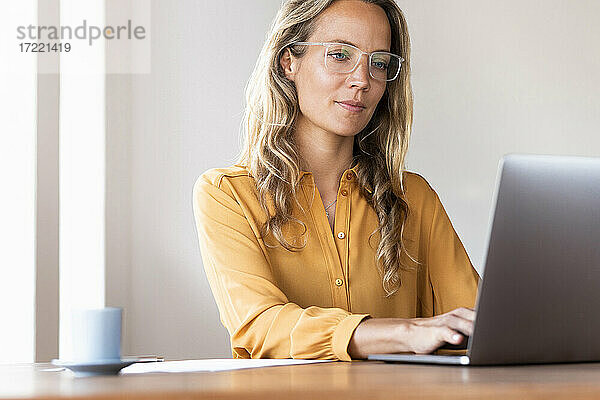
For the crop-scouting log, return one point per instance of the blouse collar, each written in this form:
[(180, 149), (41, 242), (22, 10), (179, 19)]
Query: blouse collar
[(303, 173)]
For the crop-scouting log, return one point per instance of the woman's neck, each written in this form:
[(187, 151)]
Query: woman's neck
[(326, 156)]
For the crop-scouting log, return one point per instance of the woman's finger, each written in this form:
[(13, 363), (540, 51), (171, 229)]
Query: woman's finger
[(449, 335), (463, 312), (462, 325)]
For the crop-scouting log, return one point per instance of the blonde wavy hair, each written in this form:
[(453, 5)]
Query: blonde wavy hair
[(271, 155)]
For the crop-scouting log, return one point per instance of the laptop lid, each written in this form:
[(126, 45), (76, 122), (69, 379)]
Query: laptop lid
[(539, 299)]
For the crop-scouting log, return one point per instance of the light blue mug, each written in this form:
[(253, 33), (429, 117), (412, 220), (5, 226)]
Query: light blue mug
[(96, 334)]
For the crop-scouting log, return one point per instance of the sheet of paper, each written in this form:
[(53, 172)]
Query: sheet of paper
[(216, 364)]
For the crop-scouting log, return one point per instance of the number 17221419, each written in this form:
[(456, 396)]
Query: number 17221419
[(44, 47)]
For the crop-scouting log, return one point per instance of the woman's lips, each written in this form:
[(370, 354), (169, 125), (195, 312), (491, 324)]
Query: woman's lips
[(350, 108)]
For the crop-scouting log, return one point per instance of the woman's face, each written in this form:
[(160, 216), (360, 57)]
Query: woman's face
[(321, 92)]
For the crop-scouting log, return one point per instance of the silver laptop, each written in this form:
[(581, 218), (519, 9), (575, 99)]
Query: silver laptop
[(539, 299)]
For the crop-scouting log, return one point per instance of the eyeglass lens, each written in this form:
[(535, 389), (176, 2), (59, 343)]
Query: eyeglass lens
[(343, 58)]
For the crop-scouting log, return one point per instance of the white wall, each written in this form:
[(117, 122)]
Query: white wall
[(183, 118), (492, 77), (489, 78)]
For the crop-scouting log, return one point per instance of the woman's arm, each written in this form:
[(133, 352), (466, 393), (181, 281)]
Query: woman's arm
[(416, 335), (451, 279), (446, 296), (261, 321)]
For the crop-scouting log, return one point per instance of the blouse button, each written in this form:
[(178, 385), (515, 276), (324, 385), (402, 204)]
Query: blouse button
[(344, 192), (341, 235), (339, 282), (349, 175)]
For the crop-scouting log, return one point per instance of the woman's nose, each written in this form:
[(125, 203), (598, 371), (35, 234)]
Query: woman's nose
[(359, 77)]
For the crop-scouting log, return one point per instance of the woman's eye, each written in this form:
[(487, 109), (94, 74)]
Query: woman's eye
[(338, 56), (380, 65)]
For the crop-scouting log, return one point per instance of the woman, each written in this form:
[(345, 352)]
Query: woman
[(318, 244)]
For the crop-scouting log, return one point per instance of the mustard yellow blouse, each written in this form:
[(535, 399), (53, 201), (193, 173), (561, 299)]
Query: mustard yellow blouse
[(307, 304)]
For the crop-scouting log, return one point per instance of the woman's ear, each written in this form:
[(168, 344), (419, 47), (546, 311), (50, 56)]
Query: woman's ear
[(288, 64)]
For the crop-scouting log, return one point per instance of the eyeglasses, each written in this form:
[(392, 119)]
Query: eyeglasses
[(344, 58)]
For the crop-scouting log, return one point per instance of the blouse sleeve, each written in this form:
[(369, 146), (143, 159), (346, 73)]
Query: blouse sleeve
[(262, 323), (453, 280)]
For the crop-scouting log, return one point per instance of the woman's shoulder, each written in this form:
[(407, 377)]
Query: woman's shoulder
[(223, 185), (417, 189), (416, 182), (215, 176)]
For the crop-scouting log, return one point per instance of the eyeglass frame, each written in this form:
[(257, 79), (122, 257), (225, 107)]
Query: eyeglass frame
[(325, 44)]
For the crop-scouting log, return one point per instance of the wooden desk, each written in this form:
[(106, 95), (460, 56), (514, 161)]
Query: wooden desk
[(336, 380)]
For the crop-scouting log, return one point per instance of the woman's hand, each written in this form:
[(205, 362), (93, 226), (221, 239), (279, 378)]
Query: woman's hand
[(428, 334), (417, 335)]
